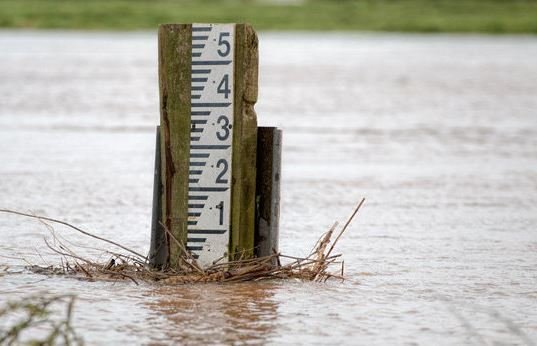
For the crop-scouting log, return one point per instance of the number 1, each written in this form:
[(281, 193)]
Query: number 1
[(221, 207)]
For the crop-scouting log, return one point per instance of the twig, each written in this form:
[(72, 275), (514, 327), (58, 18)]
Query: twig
[(314, 267), (84, 270), (75, 228), (345, 227), (67, 254), (193, 264)]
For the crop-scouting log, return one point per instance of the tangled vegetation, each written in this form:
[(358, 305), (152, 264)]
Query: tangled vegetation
[(320, 265), (36, 312)]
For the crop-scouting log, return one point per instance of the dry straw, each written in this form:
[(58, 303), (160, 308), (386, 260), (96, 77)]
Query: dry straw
[(131, 265)]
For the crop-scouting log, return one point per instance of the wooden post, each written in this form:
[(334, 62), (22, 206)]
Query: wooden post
[(269, 140), (191, 168), (175, 49), (244, 142)]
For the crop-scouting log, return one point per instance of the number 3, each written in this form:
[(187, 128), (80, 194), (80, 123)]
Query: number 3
[(223, 87), (224, 126)]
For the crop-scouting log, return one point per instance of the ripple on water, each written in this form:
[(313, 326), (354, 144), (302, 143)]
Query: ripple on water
[(436, 131)]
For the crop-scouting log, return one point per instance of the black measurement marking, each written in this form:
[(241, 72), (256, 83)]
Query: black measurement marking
[(192, 197), (211, 104), (196, 206), (198, 46), (207, 189), (196, 55), (193, 181), (196, 240), (195, 139), (199, 155), (199, 80), (207, 231), (194, 248), (196, 129), (201, 28), (195, 97), (202, 113), (197, 88), (194, 172), (209, 146), (200, 38), (198, 121), (211, 62), (192, 223), (192, 163), (194, 214), (204, 71)]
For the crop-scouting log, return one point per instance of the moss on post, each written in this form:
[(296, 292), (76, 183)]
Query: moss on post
[(244, 142), (175, 50)]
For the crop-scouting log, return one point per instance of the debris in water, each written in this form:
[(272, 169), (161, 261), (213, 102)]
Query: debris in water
[(131, 265)]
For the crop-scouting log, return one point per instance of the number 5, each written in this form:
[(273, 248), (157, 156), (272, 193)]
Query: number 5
[(221, 42)]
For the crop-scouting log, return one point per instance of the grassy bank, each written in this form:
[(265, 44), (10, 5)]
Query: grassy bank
[(484, 16)]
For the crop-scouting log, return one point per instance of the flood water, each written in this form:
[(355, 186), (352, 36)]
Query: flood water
[(437, 132)]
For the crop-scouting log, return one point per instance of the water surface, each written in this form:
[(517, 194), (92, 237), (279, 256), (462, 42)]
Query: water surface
[(438, 132)]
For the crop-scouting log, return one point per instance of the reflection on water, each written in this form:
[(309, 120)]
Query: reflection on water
[(438, 132), (197, 313)]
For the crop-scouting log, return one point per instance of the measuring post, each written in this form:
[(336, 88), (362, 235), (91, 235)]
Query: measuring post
[(208, 88)]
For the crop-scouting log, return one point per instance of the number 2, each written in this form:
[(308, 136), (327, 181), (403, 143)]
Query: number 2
[(220, 178)]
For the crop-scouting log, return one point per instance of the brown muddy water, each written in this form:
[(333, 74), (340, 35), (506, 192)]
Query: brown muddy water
[(439, 133)]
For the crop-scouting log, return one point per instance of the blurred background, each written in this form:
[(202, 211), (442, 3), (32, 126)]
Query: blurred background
[(485, 16)]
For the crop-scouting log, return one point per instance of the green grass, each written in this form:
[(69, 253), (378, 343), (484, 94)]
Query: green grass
[(484, 16)]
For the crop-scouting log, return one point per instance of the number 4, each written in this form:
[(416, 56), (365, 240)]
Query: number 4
[(223, 87)]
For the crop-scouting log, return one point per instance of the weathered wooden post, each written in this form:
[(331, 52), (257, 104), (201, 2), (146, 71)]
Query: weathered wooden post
[(208, 141), (174, 61)]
